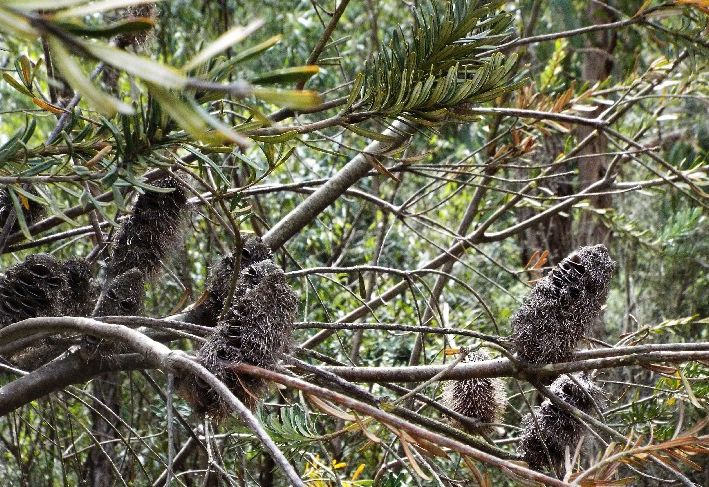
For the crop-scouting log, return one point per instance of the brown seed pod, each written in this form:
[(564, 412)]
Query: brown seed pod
[(256, 330), (33, 212), (151, 233), (559, 309), (482, 400), (558, 430), (32, 288), (82, 289), (206, 312), (123, 295)]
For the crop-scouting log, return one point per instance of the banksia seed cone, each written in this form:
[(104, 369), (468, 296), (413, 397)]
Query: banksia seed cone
[(255, 330), (482, 400), (33, 212), (123, 295), (82, 289), (206, 312), (138, 38), (558, 311), (151, 233), (557, 429), (32, 288)]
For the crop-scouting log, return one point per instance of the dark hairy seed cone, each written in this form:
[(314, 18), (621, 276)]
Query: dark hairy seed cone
[(559, 309), (123, 295), (31, 214), (256, 330), (557, 429), (138, 38), (482, 400), (82, 288), (208, 309), (32, 288), (152, 232)]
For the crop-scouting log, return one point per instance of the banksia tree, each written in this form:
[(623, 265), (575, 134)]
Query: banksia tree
[(152, 232), (208, 308), (482, 400), (543, 444), (558, 311), (255, 330), (34, 287)]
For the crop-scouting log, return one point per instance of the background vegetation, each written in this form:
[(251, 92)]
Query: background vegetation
[(410, 164)]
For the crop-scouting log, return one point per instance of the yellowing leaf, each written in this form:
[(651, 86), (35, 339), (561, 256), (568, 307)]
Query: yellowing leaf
[(47, 106)]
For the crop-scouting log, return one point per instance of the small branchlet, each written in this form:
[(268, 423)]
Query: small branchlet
[(558, 430), (255, 330), (558, 311), (482, 400), (208, 308), (151, 233)]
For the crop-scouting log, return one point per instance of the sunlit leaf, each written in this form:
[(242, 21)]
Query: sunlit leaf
[(224, 42)]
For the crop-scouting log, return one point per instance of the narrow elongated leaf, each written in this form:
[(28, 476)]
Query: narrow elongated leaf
[(287, 75), (296, 99), (224, 42), (139, 66), (71, 70), (91, 8)]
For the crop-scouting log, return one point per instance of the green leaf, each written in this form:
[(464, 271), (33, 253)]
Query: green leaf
[(370, 134), (224, 42), (103, 102), (129, 25), (274, 139), (16, 84), (194, 120), (296, 99), (287, 75), (83, 10)]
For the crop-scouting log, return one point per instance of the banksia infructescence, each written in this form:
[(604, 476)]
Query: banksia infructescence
[(136, 39), (32, 288), (82, 288), (206, 312), (255, 330), (558, 429), (151, 233), (482, 400), (33, 212), (123, 295), (558, 311)]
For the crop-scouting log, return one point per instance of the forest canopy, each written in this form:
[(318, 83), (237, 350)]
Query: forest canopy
[(335, 243)]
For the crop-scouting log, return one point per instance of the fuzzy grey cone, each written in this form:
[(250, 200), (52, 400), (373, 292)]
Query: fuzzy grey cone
[(151, 233), (557, 429), (559, 309), (32, 288), (206, 312), (123, 295), (256, 330), (82, 288), (482, 400), (32, 213)]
